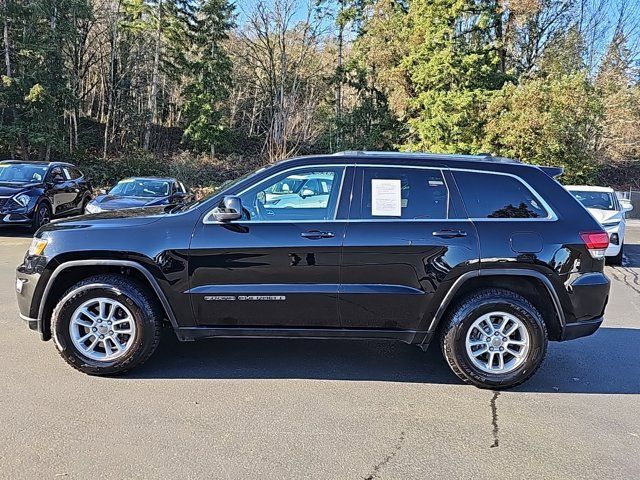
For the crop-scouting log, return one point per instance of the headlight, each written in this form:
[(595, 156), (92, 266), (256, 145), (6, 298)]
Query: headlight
[(22, 199), (37, 247), (92, 208), (611, 223)]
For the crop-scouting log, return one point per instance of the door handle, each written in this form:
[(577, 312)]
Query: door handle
[(316, 234), (449, 233)]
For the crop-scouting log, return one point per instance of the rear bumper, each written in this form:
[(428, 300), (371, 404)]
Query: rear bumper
[(572, 331), (589, 294)]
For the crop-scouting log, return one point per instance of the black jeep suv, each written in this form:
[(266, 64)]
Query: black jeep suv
[(488, 257), (32, 193)]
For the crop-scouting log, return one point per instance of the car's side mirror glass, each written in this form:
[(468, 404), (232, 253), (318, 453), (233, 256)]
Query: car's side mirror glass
[(307, 192), (626, 206), (230, 209)]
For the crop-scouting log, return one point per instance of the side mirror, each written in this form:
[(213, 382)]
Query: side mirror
[(626, 206), (58, 179), (178, 197), (307, 192), (230, 209)]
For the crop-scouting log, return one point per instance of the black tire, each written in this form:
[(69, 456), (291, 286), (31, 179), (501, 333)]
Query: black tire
[(83, 205), (616, 260), (471, 308), (144, 309), (41, 216)]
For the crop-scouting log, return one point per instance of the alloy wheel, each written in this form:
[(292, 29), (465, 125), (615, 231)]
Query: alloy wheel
[(497, 342), (102, 329)]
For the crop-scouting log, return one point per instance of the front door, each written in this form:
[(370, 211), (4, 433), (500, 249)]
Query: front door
[(404, 238), (280, 265), (62, 193)]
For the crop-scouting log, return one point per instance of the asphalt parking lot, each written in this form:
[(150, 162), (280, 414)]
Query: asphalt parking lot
[(320, 409)]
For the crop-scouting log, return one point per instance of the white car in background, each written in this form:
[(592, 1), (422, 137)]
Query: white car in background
[(309, 190), (605, 207)]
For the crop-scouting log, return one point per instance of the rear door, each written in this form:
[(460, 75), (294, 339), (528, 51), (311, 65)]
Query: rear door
[(406, 235)]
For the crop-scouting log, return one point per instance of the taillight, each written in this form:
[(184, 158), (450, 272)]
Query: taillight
[(596, 243)]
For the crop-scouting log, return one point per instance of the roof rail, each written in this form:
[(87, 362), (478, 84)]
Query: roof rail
[(480, 157)]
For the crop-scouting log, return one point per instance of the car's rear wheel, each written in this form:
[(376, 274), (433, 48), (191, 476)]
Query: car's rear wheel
[(494, 339), (41, 217), (106, 325)]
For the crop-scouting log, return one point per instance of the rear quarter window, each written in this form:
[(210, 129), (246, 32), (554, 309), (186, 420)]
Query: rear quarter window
[(490, 195)]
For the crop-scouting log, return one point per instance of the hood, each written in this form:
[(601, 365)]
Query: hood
[(132, 217), (115, 202), (605, 216), (8, 189)]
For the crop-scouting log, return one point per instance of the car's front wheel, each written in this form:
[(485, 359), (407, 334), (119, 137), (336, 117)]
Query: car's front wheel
[(106, 325), (41, 216), (494, 339)]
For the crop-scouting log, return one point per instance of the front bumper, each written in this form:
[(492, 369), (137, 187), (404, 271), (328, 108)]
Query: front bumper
[(16, 218), (29, 289), (616, 238), (32, 322)]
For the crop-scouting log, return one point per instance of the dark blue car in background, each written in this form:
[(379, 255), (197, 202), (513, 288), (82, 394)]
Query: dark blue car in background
[(140, 192)]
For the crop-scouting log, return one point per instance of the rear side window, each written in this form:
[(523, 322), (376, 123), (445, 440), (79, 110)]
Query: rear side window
[(404, 193), (488, 195)]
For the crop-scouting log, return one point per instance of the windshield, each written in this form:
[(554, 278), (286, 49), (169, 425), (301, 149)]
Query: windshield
[(22, 173), (141, 188), (598, 200)]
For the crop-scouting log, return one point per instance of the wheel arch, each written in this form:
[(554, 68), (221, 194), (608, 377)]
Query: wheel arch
[(531, 284), (68, 273), (44, 199)]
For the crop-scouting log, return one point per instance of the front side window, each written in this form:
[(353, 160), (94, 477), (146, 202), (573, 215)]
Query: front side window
[(56, 172), (404, 193), (596, 200), (304, 194), (488, 195)]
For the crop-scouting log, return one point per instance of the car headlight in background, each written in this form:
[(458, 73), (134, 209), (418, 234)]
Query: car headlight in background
[(611, 223), (92, 208), (38, 246), (22, 199)]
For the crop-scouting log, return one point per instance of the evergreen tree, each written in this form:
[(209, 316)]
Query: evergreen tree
[(210, 70), (453, 66)]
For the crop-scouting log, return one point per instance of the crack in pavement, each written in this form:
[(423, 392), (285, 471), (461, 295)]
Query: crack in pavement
[(625, 279), (494, 418), (376, 469)]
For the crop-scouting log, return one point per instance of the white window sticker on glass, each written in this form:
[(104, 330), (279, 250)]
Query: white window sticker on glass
[(386, 198)]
